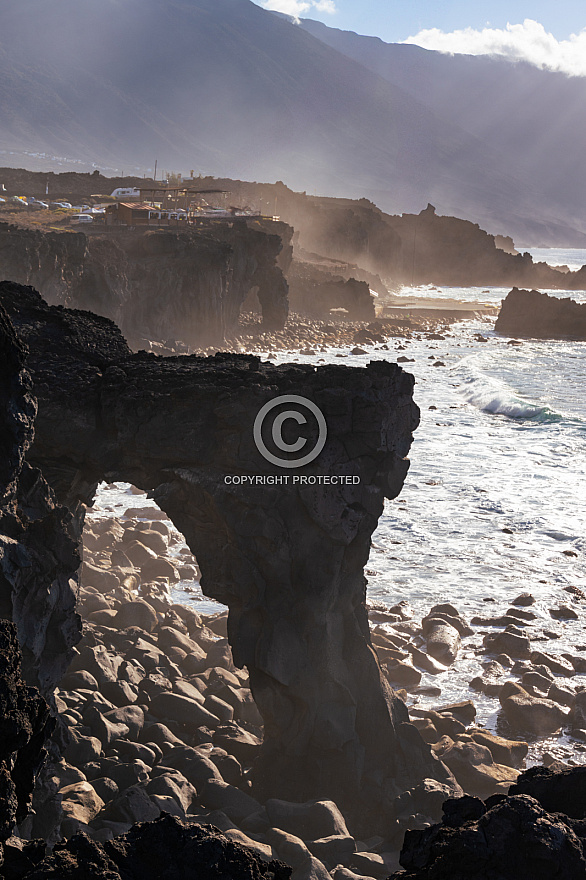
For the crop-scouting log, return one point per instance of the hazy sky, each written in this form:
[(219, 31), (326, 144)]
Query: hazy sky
[(546, 33)]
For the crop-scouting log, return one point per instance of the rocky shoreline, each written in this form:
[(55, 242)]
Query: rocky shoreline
[(153, 764), (161, 721)]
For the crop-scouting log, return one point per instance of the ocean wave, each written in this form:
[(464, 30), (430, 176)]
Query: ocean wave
[(498, 398)]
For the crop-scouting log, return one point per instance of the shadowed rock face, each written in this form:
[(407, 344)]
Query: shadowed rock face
[(537, 315), (287, 559), (38, 548), (25, 578)]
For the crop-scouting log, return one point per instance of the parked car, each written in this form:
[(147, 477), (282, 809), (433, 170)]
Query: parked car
[(82, 218)]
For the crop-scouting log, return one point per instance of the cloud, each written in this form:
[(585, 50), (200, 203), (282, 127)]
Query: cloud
[(297, 7), (527, 42)]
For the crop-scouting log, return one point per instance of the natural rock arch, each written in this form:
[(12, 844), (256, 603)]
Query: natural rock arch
[(287, 559)]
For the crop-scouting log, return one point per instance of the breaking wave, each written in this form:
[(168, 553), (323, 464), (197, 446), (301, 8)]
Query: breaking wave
[(497, 398)]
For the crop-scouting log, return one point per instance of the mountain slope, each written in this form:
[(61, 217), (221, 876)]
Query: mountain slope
[(225, 87), (535, 118)]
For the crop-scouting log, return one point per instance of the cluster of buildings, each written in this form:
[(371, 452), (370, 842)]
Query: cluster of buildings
[(166, 206)]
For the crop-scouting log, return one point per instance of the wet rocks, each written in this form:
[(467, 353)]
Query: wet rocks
[(512, 642), (525, 712), (474, 767)]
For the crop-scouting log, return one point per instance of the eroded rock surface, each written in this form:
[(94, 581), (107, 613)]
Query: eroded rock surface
[(287, 559)]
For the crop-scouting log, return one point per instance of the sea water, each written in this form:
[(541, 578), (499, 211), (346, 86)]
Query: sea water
[(494, 503)]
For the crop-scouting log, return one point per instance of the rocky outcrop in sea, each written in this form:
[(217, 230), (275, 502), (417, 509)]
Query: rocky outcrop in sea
[(536, 315)]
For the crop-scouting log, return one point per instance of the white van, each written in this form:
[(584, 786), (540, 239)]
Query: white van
[(82, 218), (125, 192)]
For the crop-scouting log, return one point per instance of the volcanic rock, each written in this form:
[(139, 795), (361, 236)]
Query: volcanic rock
[(529, 313)]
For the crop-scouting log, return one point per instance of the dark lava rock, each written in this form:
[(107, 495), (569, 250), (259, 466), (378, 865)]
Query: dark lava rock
[(513, 837), (167, 849), (25, 724), (563, 792)]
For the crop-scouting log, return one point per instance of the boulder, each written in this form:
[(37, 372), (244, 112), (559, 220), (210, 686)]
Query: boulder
[(80, 680), (425, 799), (557, 663), (100, 578), (261, 850), (121, 693), (237, 741), (513, 644), (443, 639), (475, 769), (150, 538), (103, 728), (127, 774), (82, 749), (369, 864), (105, 788), (170, 637), (309, 821), (134, 751), (525, 712), (402, 674), (511, 753), (173, 784), (195, 766), (160, 735), (131, 717), (137, 613), (236, 804), (133, 805), (80, 801), (157, 568), (98, 661), (182, 709)]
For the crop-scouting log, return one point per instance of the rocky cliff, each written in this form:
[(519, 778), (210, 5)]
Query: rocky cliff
[(537, 315), (165, 286), (423, 248), (286, 557)]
